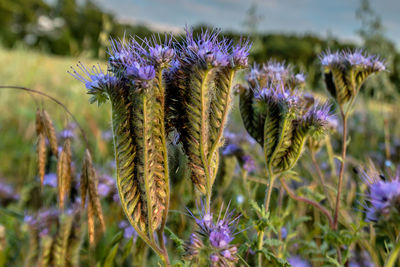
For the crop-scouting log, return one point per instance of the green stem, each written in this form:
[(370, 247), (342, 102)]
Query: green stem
[(260, 241), (341, 172), (259, 247), (308, 201), (394, 255)]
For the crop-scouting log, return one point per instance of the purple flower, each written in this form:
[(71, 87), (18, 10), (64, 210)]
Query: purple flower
[(231, 149), (383, 196), (138, 72), (248, 163), (7, 194), (357, 58), (161, 54), (297, 261), (330, 59), (283, 232), (240, 54), (50, 179), (94, 78), (129, 231), (216, 236), (317, 118), (207, 48), (98, 83)]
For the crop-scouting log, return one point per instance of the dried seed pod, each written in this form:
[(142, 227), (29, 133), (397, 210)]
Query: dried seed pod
[(91, 224), (41, 156), (39, 122), (67, 180), (64, 172), (94, 197), (50, 132)]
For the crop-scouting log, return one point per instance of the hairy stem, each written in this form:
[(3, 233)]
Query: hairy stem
[(267, 201), (308, 201), (341, 172)]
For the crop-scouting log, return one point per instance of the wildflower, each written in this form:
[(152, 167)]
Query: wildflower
[(7, 194), (383, 198), (346, 71), (297, 261), (97, 82), (273, 74), (204, 73), (277, 118), (129, 231), (215, 237), (245, 161)]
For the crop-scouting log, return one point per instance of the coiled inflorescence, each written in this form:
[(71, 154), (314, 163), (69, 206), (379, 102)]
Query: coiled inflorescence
[(199, 96), (154, 87), (278, 117), (346, 71), (134, 85)]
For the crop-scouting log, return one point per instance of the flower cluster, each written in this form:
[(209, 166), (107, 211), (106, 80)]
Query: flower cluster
[(346, 71), (275, 73), (245, 161), (280, 120), (383, 198), (213, 239)]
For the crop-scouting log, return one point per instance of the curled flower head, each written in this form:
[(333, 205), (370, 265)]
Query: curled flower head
[(280, 119), (383, 197), (214, 236), (317, 117), (346, 71), (97, 82)]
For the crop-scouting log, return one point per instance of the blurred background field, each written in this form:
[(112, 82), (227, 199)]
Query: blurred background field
[(40, 40)]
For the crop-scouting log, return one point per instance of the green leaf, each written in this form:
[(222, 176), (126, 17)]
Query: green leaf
[(109, 262)]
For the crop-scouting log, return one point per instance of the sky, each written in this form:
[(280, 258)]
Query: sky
[(321, 17)]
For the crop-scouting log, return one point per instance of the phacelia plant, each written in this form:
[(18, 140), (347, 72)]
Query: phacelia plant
[(156, 87)]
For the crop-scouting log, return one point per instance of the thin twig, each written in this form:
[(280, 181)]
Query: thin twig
[(308, 201), (54, 100)]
